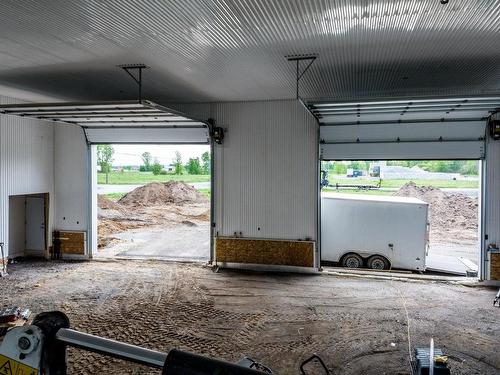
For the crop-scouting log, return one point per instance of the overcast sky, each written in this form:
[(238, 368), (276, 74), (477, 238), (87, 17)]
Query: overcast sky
[(131, 154)]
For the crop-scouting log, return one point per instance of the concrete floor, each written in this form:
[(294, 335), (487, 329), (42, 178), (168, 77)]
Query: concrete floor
[(359, 326), (179, 243)]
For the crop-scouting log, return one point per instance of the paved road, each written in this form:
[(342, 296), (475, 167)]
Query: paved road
[(108, 189)]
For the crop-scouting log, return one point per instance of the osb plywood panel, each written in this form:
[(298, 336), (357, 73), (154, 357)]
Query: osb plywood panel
[(272, 252), (72, 242), (495, 266)]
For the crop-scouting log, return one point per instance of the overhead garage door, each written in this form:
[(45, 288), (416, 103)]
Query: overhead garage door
[(120, 122), (398, 130)]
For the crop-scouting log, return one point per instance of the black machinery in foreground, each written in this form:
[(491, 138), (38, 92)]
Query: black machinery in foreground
[(40, 349)]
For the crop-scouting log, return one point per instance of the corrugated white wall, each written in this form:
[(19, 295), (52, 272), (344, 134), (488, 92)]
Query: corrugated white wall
[(26, 163), (71, 178), (492, 196), (266, 168)]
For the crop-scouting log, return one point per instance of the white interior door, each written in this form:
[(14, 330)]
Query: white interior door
[(35, 223)]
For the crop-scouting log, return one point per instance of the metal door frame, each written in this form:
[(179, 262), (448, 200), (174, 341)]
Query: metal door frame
[(91, 194)]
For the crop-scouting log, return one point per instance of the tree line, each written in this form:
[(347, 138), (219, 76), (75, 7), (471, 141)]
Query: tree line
[(193, 165), (150, 164), (464, 167)]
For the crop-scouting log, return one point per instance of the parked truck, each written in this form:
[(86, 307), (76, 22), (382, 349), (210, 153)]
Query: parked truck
[(377, 232)]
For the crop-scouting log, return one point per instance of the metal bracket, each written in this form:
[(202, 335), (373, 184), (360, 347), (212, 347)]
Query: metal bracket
[(216, 132), (128, 68), (298, 75)]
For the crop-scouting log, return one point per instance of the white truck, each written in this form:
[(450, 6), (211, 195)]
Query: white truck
[(378, 232)]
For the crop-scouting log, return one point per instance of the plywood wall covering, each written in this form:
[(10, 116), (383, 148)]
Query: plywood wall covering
[(72, 242), (259, 251), (495, 266)]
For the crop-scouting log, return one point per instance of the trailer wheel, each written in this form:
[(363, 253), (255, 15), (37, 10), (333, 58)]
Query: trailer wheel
[(352, 260), (377, 262)]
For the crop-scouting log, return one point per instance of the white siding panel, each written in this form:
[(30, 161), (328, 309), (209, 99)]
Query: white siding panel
[(26, 163), (492, 197), (266, 170), (71, 181)]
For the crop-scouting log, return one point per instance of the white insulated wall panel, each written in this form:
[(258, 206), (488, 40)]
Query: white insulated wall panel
[(492, 197), (265, 170), (26, 163), (266, 185), (71, 177)]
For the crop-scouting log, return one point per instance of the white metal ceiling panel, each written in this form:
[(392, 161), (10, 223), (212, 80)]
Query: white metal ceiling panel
[(148, 135), (403, 150), (219, 50)]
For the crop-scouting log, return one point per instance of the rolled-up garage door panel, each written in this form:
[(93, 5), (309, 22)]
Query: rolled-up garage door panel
[(403, 150), (179, 135), (404, 141)]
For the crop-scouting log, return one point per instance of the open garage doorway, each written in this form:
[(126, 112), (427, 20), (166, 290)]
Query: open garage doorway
[(28, 225), (419, 215), (153, 201)]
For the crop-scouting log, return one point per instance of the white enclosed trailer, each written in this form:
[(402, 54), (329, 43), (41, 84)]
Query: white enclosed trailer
[(377, 232)]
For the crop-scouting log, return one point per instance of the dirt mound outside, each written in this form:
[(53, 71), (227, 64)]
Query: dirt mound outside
[(158, 193), (446, 211), (107, 227), (106, 204)]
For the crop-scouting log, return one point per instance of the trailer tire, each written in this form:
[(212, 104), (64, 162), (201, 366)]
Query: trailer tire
[(378, 262), (352, 260)]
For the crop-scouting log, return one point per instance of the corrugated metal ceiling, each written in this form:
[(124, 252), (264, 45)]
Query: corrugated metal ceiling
[(234, 50)]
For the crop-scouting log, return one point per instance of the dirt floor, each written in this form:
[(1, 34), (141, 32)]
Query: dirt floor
[(358, 326), (453, 220), (167, 220)]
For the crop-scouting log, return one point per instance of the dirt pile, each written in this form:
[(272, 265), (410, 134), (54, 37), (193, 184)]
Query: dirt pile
[(447, 212), (158, 193), (152, 205), (106, 204)]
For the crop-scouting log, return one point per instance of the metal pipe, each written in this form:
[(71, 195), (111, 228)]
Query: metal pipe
[(111, 348), (212, 199), (3, 272)]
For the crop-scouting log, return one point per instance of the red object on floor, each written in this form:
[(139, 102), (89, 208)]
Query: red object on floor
[(9, 314)]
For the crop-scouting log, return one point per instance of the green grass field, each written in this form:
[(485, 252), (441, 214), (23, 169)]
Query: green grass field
[(136, 178), (473, 184), (205, 192), (114, 196)]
